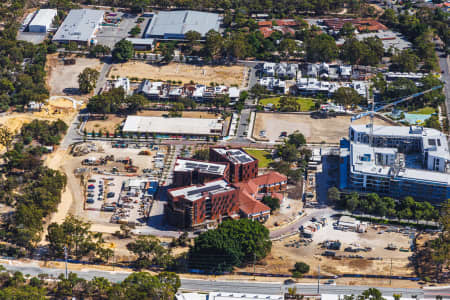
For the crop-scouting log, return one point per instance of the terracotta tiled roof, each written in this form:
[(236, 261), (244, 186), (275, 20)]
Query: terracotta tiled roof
[(248, 186), (286, 22), (266, 32), (269, 178), (248, 205), (265, 23)]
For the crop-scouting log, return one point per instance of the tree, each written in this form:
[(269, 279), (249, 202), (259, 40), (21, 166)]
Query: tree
[(288, 152), (347, 30), (334, 195), (401, 87), (201, 154), (213, 43), (149, 252), (321, 48), (123, 51), (135, 31), (347, 96), (135, 102), (6, 137), (87, 80), (289, 47), (167, 51), (372, 294), (76, 236), (272, 202), (297, 139), (404, 61), (233, 243), (193, 37), (301, 267)]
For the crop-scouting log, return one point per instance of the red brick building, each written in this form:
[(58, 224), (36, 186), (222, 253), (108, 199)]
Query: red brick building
[(190, 171), (243, 166), (271, 182), (198, 205)]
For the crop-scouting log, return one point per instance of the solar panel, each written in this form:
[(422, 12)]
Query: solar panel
[(203, 190)]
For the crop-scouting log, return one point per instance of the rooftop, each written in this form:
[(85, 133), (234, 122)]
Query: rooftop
[(236, 156), (269, 178), (182, 165), (43, 17), (180, 126), (195, 192), (79, 25), (179, 22)]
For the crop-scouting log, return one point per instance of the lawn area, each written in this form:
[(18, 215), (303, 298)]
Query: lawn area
[(427, 110), (263, 156), (306, 104)]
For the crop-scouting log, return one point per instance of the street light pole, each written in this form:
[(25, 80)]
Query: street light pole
[(65, 258), (318, 280)]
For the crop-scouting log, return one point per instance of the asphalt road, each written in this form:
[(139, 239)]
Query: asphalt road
[(276, 287), (292, 227)]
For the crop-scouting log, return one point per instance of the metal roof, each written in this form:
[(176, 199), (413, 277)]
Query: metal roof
[(44, 17), (177, 23), (79, 25)]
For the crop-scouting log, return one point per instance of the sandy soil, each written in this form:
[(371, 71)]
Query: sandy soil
[(113, 121), (227, 75), (283, 258), (53, 111), (63, 79), (330, 130)]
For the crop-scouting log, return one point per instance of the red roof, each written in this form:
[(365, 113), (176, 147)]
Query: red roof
[(269, 178), (249, 205), (248, 186), (286, 22), (266, 32), (278, 196), (265, 23)]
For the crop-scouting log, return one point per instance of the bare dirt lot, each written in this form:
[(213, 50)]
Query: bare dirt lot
[(63, 80), (284, 256), (227, 75), (329, 130), (113, 121)]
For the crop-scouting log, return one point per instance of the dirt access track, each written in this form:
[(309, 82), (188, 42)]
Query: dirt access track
[(227, 75), (329, 130), (63, 80)]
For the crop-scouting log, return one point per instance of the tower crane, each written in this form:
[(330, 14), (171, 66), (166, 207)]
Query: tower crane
[(401, 100)]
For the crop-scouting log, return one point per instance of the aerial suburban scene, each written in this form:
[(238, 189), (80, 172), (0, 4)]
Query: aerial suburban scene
[(225, 150)]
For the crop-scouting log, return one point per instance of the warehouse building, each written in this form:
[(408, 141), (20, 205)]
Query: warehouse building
[(175, 24), (80, 26), (43, 20), (194, 128)]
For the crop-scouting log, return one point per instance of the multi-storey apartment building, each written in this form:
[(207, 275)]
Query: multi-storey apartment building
[(191, 171), (195, 205), (398, 162), (242, 165)]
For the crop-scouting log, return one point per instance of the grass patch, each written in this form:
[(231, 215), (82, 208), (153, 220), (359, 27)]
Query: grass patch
[(264, 157), (306, 104), (427, 110)]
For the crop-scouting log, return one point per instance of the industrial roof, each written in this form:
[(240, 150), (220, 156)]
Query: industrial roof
[(182, 165), (44, 17), (79, 25), (188, 126), (182, 21)]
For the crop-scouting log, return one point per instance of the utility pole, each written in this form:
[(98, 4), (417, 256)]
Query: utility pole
[(390, 274), (65, 258), (318, 280)]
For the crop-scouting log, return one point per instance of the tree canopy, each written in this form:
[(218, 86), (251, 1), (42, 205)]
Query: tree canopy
[(123, 51), (233, 243)]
